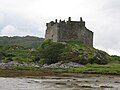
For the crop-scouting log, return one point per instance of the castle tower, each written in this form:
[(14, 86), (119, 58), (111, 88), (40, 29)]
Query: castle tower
[(81, 19), (69, 18), (69, 31)]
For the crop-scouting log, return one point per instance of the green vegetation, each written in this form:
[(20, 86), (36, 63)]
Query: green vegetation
[(114, 59), (95, 69), (26, 42), (74, 51), (18, 49), (15, 53), (48, 52)]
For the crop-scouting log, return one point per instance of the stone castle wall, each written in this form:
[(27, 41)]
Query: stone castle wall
[(69, 31), (52, 32)]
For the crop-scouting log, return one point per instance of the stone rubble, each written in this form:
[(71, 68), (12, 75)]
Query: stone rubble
[(62, 65), (12, 64)]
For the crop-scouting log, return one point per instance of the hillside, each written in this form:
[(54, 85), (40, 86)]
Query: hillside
[(73, 51), (59, 55), (26, 42)]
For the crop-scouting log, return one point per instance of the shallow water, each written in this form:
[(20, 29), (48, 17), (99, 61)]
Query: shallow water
[(61, 83)]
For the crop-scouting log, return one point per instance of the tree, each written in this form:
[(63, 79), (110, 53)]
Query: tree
[(50, 51)]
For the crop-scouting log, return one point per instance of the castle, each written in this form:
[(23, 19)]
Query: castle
[(69, 31)]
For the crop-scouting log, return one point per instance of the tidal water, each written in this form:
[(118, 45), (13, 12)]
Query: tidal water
[(61, 83)]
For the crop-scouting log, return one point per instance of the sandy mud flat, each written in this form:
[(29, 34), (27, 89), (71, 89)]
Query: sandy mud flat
[(71, 82)]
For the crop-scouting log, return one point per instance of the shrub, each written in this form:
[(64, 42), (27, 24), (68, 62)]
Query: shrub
[(115, 59), (50, 51), (36, 59)]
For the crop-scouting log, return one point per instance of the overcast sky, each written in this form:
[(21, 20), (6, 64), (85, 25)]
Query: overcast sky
[(29, 17)]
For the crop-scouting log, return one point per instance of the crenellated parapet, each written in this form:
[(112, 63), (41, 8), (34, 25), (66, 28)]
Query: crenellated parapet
[(81, 22)]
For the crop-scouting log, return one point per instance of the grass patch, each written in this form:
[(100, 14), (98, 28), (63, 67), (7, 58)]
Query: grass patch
[(95, 69)]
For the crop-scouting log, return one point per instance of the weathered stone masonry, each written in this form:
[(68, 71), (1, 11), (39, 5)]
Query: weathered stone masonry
[(69, 31)]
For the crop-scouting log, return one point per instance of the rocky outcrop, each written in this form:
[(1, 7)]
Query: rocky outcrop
[(12, 64), (59, 65), (62, 65)]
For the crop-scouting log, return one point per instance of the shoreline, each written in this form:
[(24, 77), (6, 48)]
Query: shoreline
[(74, 81), (20, 73), (37, 73)]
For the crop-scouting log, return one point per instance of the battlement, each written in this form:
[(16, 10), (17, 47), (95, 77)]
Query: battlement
[(52, 23), (61, 31)]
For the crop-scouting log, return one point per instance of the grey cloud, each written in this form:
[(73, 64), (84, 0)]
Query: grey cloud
[(108, 32), (21, 24)]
